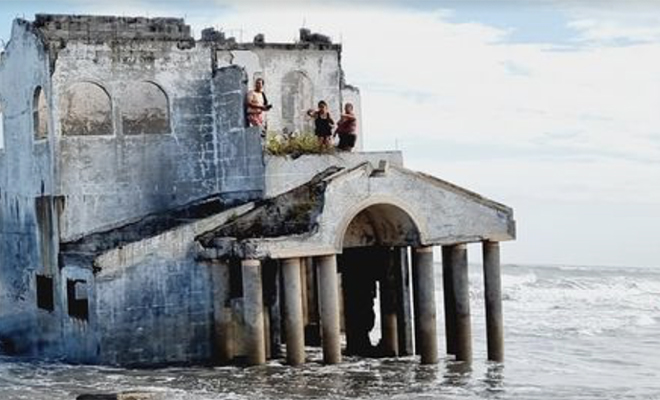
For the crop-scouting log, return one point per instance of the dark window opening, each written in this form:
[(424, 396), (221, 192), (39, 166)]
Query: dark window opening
[(76, 294), (235, 279), (40, 114), (44, 211), (45, 297)]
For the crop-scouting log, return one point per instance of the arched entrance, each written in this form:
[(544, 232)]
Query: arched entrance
[(297, 96), (374, 265)]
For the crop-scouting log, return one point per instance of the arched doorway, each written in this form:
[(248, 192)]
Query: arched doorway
[(297, 98), (374, 265)]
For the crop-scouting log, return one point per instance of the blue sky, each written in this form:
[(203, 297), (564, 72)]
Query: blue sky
[(551, 107)]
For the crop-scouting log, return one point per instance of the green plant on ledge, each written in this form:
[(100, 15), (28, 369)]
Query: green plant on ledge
[(295, 144)]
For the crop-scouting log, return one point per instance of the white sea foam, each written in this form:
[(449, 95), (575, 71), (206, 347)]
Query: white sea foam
[(645, 320)]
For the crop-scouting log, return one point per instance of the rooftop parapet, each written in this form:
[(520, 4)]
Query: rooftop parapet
[(307, 40), (107, 28)]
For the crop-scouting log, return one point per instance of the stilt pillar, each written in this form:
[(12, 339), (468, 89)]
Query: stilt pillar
[(329, 294), (388, 308), (293, 312), (493, 299), (223, 327), (310, 282), (404, 307), (253, 312), (426, 314), (449, 300), (459, 271)]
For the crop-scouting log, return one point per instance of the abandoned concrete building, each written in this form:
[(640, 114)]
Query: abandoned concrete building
[(141, 222)]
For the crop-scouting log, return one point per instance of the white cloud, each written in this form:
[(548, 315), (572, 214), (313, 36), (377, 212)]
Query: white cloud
[(615, 21), (586, 180)]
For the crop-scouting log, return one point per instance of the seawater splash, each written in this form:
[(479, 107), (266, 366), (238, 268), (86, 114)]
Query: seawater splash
[(581, 300), (570, 333)]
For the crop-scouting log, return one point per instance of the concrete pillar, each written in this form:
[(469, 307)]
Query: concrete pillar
[(493, 298), (312, 329), (293, 312), (415, 297), (266, 316), (303, 283), (449, 300), (459, 271), (223, 327), (271, 279), (428, 342), (404, 306), (329, 296), (253, 310), (342, 312), (275, 313), (388, 308)]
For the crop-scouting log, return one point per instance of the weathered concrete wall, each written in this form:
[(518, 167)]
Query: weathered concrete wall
[(27, 238), (285, 173), (157, 312), (108, 180), (105, 176), (79, 335), (107, 28), (296, 80), (2, 126), (154, 302), (238, 152)]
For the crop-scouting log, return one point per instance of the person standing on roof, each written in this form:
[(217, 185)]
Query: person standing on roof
[(323, 123), (257, 105), (346, 129)]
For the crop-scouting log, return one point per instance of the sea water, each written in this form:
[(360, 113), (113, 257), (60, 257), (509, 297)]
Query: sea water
[(570, 333)]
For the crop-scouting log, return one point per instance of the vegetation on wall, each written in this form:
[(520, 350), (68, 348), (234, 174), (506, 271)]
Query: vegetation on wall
[(295, 144)]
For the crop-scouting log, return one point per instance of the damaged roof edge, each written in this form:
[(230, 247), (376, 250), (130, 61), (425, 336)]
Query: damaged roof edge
[(111, 28), (458, 190), (293, 212)]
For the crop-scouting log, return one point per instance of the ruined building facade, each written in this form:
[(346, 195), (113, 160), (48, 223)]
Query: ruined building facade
[(131, 192)]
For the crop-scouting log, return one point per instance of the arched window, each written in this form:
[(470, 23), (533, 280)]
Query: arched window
[(145, 109), (86, 109), (297, 97), (39, 114)]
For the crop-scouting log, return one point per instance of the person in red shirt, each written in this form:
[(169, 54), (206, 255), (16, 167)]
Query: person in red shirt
[(347, 128)]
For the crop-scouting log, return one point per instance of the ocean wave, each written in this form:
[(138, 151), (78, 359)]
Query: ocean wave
[(568, 302)]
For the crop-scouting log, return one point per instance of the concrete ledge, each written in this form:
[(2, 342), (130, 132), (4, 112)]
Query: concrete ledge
[(286, 173), (173, 244)]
